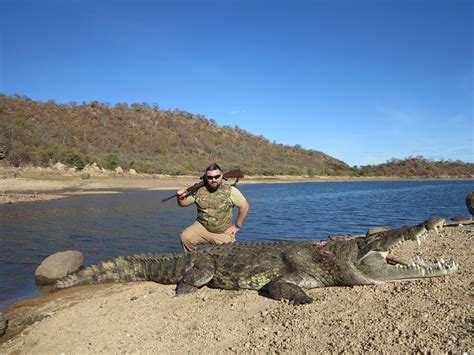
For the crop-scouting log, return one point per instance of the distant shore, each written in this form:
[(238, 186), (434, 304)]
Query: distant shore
[(28, 184)]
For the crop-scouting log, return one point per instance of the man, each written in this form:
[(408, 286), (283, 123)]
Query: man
[(215, 202)]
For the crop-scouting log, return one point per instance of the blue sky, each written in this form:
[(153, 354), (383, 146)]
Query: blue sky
[(363, 81)]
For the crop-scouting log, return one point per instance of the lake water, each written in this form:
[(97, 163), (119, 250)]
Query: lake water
[(106, 226)]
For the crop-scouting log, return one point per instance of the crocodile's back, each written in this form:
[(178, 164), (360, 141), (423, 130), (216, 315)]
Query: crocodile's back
[(249, 265), (230, 266)]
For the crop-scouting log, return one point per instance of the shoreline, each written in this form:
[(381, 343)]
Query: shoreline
[(428, 315), (41, 184)]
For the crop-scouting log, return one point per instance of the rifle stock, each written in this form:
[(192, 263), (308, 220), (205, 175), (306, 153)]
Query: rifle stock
[(232, 174)]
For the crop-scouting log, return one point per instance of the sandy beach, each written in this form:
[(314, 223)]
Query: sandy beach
[(28, 184), (430, 315)]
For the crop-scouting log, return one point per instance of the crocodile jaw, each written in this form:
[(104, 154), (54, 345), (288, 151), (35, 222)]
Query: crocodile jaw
[(375, 262), (383, 267)]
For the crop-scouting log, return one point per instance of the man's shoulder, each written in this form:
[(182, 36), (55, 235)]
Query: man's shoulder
[(233, 188), (236, 196)]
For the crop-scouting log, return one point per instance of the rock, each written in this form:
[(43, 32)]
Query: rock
[(132, 172), (92, 167), (85, 176), (59, 166), (3, 325), (57, 266), (470, 202), (119, 170), (376, 230)]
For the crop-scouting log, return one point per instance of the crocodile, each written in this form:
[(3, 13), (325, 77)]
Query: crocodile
[(3, 324), (435, 223), (278, 270), (460, 220)]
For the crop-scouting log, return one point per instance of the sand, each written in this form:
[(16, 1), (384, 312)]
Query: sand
[(430, 315), (38, 184), (27, 184)]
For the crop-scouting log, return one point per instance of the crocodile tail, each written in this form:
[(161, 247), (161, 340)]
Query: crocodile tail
[(121, 269)]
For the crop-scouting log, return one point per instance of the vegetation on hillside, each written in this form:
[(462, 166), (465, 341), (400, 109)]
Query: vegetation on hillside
[(419, 167), (152, 140), (145, 138)]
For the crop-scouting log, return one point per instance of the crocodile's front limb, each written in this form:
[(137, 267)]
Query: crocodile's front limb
[(288, 287), (304, 271), (201, 272)]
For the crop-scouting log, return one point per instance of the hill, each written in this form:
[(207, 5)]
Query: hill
[(419, 167), (152, 140), (145, 138)]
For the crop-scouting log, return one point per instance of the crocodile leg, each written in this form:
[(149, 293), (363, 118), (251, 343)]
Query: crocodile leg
[(286, 287), (200, 274)]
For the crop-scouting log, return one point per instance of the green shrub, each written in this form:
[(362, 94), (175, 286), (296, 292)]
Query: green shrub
[(74, 159), (111, 161), (268, 172)]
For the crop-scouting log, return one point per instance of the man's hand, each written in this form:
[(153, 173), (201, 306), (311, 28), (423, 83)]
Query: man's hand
[(232, 230), (181, 193), (182, 200)]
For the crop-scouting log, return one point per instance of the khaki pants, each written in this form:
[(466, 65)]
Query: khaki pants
[(196, 234)]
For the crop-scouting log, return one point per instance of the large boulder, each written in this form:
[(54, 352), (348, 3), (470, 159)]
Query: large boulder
[(57, 266), (470, 202)]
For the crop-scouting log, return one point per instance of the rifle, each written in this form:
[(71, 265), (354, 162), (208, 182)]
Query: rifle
[(233, 174)]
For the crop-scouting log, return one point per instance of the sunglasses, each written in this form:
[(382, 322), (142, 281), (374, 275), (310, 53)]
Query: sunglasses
[(215, 177)]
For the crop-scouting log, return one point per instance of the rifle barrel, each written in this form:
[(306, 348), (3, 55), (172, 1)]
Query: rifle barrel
[(168, 198)]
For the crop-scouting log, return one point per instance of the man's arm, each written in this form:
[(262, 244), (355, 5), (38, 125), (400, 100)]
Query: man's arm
[(182, 200), (243, 211), (241, 203)]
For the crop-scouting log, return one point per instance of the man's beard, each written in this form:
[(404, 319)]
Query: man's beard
[(212, 188)]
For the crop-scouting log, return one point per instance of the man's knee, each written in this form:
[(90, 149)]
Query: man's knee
[(185, 236), (188, 240)]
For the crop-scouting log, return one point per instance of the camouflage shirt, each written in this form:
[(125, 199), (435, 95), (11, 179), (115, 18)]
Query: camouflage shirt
[(214, 209)]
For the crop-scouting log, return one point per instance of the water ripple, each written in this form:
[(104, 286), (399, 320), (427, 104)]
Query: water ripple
[(106, 226)]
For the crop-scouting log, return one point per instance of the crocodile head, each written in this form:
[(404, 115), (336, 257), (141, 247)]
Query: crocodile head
[(370, 261), (376, 262), (435, 223)]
